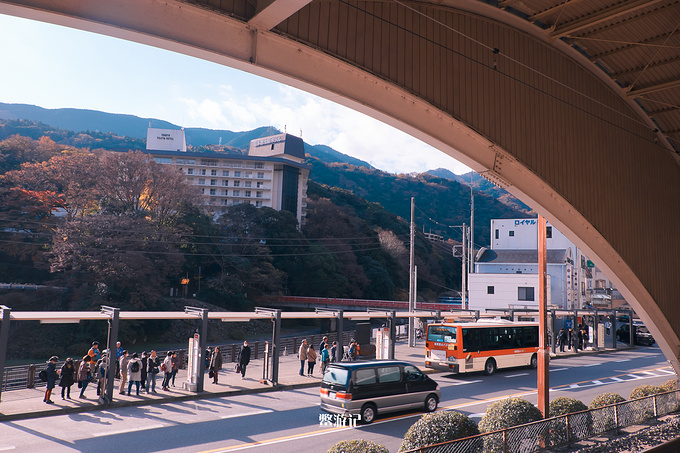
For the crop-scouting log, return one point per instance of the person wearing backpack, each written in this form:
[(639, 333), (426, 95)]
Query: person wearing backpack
[(134, 369), (325, 359), (51, 378)]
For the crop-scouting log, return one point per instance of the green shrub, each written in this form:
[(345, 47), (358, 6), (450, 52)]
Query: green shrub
[(580, 424), (603, 418), (505, 414), (606, 399), (669, 385), (357, 446), (438, 427), (644, 390)]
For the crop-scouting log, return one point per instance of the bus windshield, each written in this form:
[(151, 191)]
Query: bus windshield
[(441, 334)]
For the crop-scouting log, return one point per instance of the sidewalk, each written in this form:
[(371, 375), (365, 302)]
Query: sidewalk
[(28, 403)]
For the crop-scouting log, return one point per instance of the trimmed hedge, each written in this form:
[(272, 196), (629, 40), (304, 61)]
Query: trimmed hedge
[(507, 413), (580, 424), (644, 390), (438, 427), (669, 385), (357, 446), (606, 399)]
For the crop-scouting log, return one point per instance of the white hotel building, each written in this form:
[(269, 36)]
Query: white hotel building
[(272, 174)]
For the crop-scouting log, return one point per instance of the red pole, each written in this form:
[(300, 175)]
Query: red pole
[(543, 352)]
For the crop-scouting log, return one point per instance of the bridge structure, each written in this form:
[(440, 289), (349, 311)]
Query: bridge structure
[(572, 106)]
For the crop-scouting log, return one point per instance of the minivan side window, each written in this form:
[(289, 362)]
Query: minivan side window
[(389, 374), (413, 374), (364, 376)]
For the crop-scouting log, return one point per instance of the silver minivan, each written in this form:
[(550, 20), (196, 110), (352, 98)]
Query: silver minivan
[(370, 388)]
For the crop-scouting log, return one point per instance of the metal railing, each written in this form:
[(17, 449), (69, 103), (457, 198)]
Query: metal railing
[(563, 429)]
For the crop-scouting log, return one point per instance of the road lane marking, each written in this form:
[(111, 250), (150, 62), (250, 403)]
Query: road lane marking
[(559, 369), (129, 430), (591, 364), (621, 361), (517, 375), (11, 447), (465, 382), (617, 379), (245, 414), (574, 386)]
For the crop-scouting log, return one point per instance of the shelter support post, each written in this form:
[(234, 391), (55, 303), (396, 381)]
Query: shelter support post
[(393, 334), (4, 340), (340, 328), (614, 340), (276, 340), (114, 321), (553, 322), (203, 341)]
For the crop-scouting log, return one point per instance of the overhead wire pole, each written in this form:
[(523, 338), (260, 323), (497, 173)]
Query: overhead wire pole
[(412, 278)]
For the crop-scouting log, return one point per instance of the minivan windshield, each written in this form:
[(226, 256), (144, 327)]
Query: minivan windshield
[(336, 375)]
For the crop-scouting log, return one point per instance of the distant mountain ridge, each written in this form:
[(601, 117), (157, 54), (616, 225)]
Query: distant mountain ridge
[(136, 127)]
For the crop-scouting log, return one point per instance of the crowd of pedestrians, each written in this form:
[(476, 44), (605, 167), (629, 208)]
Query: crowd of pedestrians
[(572, 339), (140, 371)]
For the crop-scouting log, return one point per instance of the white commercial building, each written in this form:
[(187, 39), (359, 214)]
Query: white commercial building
[(272, 174)]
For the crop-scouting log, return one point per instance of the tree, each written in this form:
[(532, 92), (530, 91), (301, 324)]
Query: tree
[(130, 259)]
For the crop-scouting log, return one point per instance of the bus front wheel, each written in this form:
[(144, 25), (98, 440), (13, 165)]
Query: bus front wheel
[(490, 367)]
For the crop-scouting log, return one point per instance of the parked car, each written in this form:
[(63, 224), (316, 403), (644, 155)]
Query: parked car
[(642, 335), (379, 386)]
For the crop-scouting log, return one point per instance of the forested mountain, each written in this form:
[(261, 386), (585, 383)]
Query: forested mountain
[(482, 185)]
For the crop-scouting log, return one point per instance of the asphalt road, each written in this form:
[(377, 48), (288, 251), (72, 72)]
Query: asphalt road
[(290, 421)]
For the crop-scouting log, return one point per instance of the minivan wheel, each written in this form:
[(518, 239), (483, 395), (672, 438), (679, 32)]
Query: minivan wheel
[(534, 361), (490, 367), (368, 413), (431, 403)]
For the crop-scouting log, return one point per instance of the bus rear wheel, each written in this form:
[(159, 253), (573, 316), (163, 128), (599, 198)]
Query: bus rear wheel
[(490, 367)]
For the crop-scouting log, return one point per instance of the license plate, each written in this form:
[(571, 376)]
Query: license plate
[(331, 394)]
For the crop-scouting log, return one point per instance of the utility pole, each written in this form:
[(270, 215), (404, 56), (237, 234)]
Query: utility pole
[(472, 228), (463, 285), (412, 278)]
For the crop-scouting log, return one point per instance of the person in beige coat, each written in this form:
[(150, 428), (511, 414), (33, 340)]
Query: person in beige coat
[(311, 360), (302, 355)]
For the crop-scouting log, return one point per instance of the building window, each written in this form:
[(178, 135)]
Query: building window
[(259, 165), (511, 233), (225, 172), (190, 171), (525, 293), (213, 192), (259, 194), (237, 174), (548, 232), (249, 174), (247, 193), (202, 191), (237, 193), (237, 183), (490, 290), (213, 182), (258, 204), (260, 174), (163, 160), (225, 183), (248, 183), (260, 184), (497, 233), (201, 181), (213, 172), (202, 171)]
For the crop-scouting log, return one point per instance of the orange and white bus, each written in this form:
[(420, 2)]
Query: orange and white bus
[(481, 346)]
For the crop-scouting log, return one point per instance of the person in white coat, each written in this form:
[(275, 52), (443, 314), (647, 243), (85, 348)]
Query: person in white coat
[(134, 371)]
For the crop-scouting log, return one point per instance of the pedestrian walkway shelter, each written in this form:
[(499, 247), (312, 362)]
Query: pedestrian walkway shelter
[(113, 316)]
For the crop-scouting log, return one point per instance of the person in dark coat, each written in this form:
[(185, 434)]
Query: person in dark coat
[(68, 378), (562, 338), (216, 363), (145, 359), (51, 371), (244, 358)]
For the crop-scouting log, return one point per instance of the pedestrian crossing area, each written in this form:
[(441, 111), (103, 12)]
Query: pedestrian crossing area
[(634, 376)]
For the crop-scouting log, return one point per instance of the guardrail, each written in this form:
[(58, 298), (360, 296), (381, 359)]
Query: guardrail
[(562, 430), (25, 376)]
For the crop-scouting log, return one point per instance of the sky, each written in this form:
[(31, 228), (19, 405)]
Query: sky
[(57, 67)]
